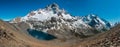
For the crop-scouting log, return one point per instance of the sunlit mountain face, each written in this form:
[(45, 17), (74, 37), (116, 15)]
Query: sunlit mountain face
[(51, 23)]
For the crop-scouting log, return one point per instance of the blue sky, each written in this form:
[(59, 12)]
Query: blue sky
[(106, 9)]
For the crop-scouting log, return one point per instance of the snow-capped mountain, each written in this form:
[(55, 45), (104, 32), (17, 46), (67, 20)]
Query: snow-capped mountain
[(52, 12), (46, 14), (96, 22), (58, 22)]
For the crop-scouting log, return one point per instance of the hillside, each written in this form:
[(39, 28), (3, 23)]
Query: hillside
[(110, 38), (13, 37)]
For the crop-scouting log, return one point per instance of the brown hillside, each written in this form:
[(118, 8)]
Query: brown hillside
[(110, 38), (12, 37)]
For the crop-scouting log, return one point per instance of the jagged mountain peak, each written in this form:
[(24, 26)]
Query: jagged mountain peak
[(92, 16), (53, 6), (51, 10), (96, 22)]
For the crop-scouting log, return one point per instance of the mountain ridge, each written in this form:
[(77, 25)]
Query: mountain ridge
[(53, 11)]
